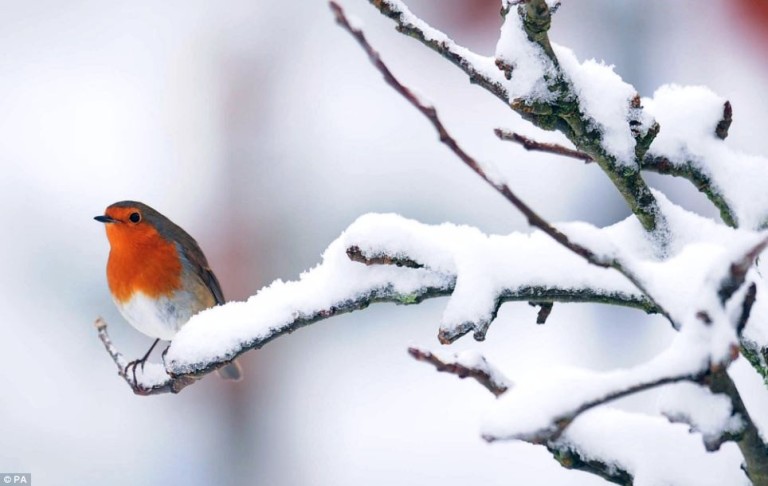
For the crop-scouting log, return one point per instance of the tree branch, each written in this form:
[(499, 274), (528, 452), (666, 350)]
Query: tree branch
[(537, 19), (553, 432), (461, 57), (570, 458), (700, 180), (750, 443), (465, 365), (651, 163), (530, 144), (154, 383)]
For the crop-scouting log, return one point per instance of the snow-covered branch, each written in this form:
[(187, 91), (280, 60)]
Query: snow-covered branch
[(695, 123), (481, 70), (650, 163)]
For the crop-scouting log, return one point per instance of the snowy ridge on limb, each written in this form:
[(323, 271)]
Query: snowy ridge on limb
[(694, 123), (481, 70), (478, 271), (648, 451), (490, 269), (708, 414)]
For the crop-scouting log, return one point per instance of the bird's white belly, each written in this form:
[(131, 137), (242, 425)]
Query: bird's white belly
[(158, 318)]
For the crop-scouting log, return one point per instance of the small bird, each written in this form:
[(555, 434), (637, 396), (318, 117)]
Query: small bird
[(157, 274)]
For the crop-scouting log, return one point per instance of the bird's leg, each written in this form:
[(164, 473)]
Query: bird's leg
[(141, 361)]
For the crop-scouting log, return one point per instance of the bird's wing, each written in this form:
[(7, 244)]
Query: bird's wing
[(190, 251)]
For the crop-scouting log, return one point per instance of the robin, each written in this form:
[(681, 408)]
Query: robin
[(157, 274)]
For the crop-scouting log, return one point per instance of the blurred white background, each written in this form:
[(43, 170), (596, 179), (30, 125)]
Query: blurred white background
[(260, 127)]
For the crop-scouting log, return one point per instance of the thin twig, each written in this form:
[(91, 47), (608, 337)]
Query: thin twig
[(167, 385), (486, 375), (530, 144), (650, 162), (545, 309), (746, 307), (460, 56)]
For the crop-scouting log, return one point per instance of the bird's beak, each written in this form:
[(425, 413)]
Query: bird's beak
[(105, 219)]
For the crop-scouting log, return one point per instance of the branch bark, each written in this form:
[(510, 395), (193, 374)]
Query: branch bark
[(461, 57), (533, 145), (649, 163), (479, 369), (750, 443)]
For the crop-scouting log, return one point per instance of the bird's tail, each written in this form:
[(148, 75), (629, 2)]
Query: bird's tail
[(231, 372)]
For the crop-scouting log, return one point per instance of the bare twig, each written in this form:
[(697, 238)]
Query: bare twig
[(650, 163), (460, 56), (545, 308), (167, 384), (737, 272), (552, 148), (481, 371), (746, 308), (701, 180)]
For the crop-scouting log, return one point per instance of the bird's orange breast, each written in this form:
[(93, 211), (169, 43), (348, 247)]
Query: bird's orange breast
[(140, 260)]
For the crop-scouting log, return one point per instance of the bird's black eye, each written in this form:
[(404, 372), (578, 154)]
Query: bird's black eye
[(135, 217)]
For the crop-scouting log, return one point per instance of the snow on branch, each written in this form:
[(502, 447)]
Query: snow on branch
[(686, 169), (706, 413), (695, 122), (480, 69), (150, 379), (604, 441)]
